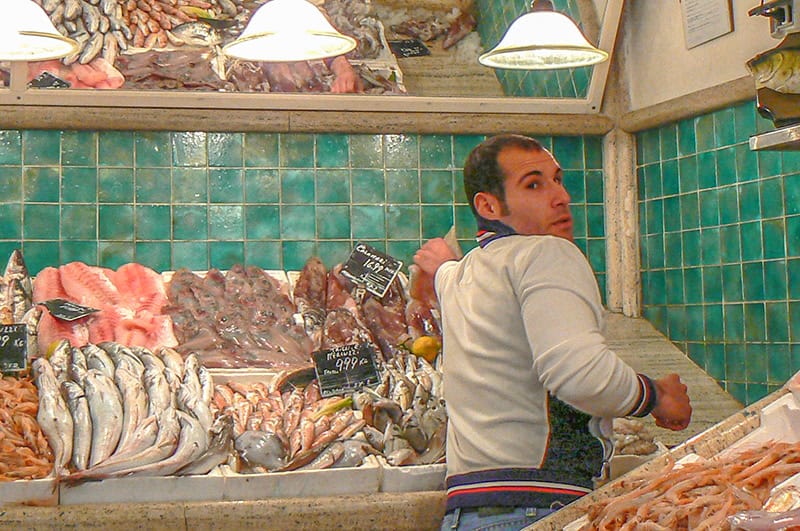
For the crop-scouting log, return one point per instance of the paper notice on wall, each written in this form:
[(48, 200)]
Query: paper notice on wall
[(705, 20)]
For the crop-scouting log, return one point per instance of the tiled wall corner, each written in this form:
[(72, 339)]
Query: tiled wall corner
[(720, 246)]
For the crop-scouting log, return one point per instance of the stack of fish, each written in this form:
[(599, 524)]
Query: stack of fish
[(281, 427), (112, 411), (16, 300), (24, 451), (103, 28)]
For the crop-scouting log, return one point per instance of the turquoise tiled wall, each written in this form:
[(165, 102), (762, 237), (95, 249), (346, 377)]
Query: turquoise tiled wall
[(200, 200), (495, 18), (720, 247)]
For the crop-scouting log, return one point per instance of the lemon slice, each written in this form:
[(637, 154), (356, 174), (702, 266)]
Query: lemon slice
[(426, 346)]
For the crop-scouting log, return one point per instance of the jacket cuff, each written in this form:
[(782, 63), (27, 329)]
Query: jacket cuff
[(647, 397)]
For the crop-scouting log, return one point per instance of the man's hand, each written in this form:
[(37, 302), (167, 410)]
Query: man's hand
[(433, 254), (673, 410), (346, 79)]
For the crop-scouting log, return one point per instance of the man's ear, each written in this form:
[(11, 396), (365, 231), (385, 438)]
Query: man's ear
[(488, 205)]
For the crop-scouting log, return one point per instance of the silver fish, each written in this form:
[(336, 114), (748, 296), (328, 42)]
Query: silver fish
[(31, 320), (53, 415), (97, 358), (60, 360), (169, 429), (105, 405), (91, 17), (193, 443), (190, 376), (219, 449), (17, 270), (72, 9), (193, 404), (78, 365), (134, 403), (82, 422), (92, 49), (20, 300), (125, 357), (158, 392), (173, 360), (206, 384)]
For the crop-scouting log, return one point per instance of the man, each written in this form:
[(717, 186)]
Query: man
[(525, 361)]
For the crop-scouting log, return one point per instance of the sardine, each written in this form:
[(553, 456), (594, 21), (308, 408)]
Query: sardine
[(17, 270), (53, 416), (91, 17), (105, 405), (108, 7), (91, 49), (98, 359), (72, 9), (134, 403), (31, 320), (82, 422)]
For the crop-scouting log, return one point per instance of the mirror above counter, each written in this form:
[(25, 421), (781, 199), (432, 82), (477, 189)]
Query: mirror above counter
[(428, 106)]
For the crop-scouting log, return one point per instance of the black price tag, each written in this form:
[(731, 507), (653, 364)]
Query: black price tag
[(409, 48), (13, 343), (67, 310), (371, 268), (47, 80), (344, 369)]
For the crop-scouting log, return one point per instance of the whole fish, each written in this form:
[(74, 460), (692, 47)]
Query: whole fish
[(60, 360), (20, 299), (193, 404), (105, 406), (78, 407), (134, 403), (78, 366), (206, 384), (53, 416), (17, 270), (190, 375), (31, 320), (193, 443), (164, 445), (98, 359), (159, 395), (126, 357), (172, 360), (219, 449)]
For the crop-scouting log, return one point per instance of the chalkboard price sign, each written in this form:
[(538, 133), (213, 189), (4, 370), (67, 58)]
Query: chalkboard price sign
[(344, 369), (13, 343), (67, 310), (371, 268), (409, 48)]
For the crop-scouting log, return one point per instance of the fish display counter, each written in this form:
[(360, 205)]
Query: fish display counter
[(726, 477)]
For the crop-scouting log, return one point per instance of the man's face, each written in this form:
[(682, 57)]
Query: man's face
[(535, 198)]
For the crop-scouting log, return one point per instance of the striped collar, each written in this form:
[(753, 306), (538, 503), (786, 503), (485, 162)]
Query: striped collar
[(491, 230)]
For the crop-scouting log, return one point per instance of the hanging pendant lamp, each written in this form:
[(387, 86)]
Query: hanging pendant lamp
[(288, 30), (27, 34), (543, 39)]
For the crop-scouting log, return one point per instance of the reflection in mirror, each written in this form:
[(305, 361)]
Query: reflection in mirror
[(406, 47)]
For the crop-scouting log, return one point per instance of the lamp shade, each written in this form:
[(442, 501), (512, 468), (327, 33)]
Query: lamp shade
[(288, 30), (27, 34), (543, 40)]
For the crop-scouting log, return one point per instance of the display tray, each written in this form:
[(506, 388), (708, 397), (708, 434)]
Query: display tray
[(145, 490), (413, 478), (779, 420), (365, 479), (41, 492)]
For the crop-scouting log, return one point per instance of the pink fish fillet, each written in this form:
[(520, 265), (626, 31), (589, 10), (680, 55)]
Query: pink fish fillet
[(140, 288), (47, 285), (52, 330), (88, 285)]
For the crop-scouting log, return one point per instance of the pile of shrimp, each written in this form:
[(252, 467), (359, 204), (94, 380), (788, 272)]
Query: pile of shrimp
[(697, 495), (24, 451)]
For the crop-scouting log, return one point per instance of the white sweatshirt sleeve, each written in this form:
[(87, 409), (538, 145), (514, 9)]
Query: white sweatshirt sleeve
[(563, 316)]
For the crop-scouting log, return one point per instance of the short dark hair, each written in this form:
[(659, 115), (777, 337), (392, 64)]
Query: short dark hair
[(482, 172)]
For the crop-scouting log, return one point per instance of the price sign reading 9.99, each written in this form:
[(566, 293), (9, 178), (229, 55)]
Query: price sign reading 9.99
[(344, 369), (13, 343)]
